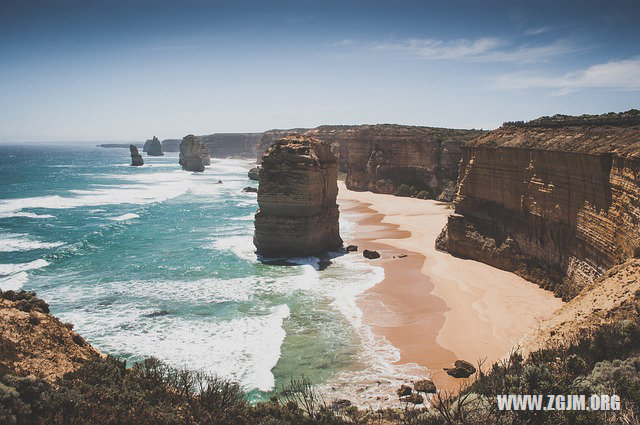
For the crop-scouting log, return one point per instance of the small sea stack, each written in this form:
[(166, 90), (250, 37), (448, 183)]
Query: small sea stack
[(298, 214), (205, 154), (136, 158), (153, 147), (190, 158)]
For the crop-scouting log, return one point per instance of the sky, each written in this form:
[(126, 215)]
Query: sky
[(127, 70)]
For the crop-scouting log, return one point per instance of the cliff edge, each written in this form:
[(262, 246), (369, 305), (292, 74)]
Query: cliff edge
[(556, 200)]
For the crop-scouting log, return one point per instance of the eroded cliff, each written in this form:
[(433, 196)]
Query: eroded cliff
[(32, 342), (298, 214), (191, 154), (559, 204)]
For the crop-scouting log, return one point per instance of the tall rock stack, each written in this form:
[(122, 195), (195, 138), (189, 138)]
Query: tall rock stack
[(136, 158), (205, 154), (298, 214), (154, 147), (190, 158)]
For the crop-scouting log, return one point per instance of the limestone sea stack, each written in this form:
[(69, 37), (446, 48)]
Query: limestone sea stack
[(154, 148), (136, 158), (298, 214), (205, 154), (190, 158)]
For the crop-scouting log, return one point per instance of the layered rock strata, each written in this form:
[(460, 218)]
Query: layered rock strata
[(298, 214), (190, 154), (559, 205), (136, 158), (222, 145), (389, 158), (153, 147), (406, 160)]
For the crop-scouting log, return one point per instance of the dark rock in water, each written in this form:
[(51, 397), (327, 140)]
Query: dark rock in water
[(340, 404), (153, 147), (351, 248), (463, 364), (323, 264), (371, 255), (404, 391), (254, 173), (425, 386), (413, 398), (205, 154), (136, 158), (462, 369), (250, 189), (157, 313), (218, 182), (298, 214), (190, 158)]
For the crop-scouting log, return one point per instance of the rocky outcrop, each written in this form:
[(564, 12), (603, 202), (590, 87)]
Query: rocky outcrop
[(205, 154), (32, 342), (136, 158), (153, 147), (298, 214), (190, 154), (559, 204), (254, 173), (269, 137), (222, 145), (406, 160)]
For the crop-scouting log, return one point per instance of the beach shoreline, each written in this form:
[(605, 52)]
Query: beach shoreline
[(433, 307)]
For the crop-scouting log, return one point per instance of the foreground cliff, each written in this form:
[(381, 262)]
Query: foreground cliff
[(556, 200), (34, 343), (298, 214)]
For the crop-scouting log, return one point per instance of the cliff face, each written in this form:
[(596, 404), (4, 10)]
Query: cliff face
[(205, 154), (298, 214), (383, 157), (558, 205), (32, 342), (190, 154), (222, 145)]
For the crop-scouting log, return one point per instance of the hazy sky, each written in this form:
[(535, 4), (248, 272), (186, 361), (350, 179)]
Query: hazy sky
[(126, 70)]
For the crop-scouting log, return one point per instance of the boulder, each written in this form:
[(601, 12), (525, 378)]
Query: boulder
[(254, 173), (250, 189), (404, 391), (340, 404), (136, 158), (425, 386), (371, 255), (190, 158), (413, 398), (351, 248), (463, 364), (153, 147), (298, 214)]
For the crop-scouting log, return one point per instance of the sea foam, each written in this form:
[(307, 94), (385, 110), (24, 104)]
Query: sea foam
[(7, 269), (12, 242)]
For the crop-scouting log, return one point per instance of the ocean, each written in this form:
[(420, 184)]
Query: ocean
[(156, 261)]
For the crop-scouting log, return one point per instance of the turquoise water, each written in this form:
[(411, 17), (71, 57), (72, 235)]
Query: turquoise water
[(156, 261)]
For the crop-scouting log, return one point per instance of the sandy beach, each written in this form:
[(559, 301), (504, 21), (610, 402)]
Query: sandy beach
[(433, 307)]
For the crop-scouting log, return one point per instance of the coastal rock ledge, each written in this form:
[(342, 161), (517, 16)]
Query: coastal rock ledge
[(191, 154), (298, 214)]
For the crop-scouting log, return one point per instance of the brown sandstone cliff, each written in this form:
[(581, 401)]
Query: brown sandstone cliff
[(33, 342), (557, 204), (298, 214), (382, 158)]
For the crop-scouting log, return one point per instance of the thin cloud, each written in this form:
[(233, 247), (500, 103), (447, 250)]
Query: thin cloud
[(485, 49), (342, 43), (621, 75), (537, 31)]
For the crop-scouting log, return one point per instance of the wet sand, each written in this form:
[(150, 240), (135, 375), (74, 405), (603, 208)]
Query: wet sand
[(433, 307)]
